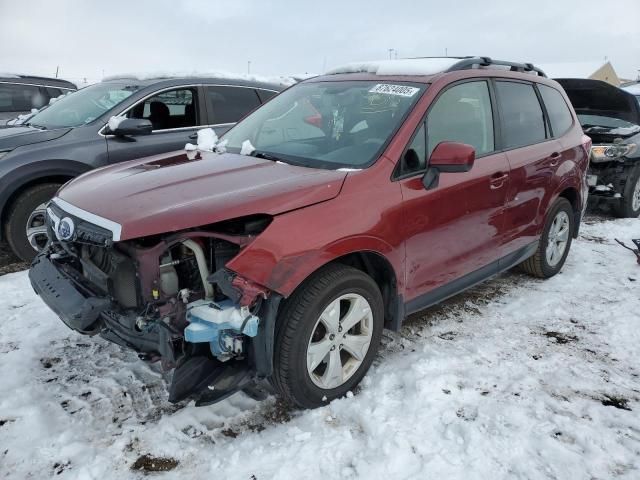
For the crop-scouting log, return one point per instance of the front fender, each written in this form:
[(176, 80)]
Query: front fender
[(291, 249)]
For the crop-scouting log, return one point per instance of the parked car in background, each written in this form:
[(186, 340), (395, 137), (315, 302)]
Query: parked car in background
[(71, 137), (634, 89), (341, 206), (611, 117), (19, 94)]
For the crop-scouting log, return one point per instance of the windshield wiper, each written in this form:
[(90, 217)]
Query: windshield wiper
[(39, 127), (266, 156)]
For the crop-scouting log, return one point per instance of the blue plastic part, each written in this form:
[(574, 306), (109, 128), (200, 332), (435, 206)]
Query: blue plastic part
[(211, 322)]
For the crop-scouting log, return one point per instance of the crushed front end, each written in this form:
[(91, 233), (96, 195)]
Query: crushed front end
[(168, 297)]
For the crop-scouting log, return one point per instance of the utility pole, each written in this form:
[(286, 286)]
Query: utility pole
[(391, 53), (446, 52), (57, 68), (248, 66)]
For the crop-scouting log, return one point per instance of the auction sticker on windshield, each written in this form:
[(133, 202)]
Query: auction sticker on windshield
[(389, 89)]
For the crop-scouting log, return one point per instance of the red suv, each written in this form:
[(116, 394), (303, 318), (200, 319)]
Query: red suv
[(339, 207)]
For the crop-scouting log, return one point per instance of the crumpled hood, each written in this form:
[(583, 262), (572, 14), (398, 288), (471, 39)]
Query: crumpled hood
[(12, 137), (172, 192)]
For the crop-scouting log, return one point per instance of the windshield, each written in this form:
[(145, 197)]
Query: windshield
[(327, 124), (602, 121), (83, 106)]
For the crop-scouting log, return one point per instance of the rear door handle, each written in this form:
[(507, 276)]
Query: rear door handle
[(193, 136), (555, 159), (498, 179)]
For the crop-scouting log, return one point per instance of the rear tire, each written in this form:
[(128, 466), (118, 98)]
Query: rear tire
[(318, 355), (629, 204), (551, 255), (26, 209)]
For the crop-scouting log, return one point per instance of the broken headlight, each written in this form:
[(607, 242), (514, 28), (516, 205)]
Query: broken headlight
[(607, 153)]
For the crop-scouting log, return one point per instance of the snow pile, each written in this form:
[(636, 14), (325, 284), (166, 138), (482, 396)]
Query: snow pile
[(21, 119), (247, 148), (115, 121), (518, 378), (207, 140), (53, 100), (404, 66), (282, 80)]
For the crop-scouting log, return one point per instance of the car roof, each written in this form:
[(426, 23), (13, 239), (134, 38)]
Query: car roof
[(36, 80), (169, 81), (424, 69)]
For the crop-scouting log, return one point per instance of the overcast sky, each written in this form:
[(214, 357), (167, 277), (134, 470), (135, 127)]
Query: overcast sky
[(87, 38)]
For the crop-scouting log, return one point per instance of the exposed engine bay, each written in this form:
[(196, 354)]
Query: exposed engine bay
[(170, 298)]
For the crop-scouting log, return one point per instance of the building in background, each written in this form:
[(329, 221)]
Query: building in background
[(596, 70)]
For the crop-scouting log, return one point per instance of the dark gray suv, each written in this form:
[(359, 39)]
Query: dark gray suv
[(19, 94), (71, 136)]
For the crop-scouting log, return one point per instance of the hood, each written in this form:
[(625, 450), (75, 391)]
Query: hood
[(20, 135), (595, 97), (173, 192)]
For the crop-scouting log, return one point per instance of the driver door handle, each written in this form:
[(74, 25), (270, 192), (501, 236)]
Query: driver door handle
[(193, 136), (498, 179)]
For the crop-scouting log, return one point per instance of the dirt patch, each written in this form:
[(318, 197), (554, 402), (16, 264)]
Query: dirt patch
[(448, 335), (9, 263), (616, 401), (594, 238), (148, 463), (560, 338)]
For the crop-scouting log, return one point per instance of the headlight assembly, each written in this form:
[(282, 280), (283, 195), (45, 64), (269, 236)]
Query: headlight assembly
[(607, 153)]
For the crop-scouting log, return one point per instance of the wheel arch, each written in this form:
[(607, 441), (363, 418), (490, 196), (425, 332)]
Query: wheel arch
[(35, 174), (573, 196)]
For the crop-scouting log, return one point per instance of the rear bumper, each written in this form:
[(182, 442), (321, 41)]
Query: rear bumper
[(59, 292)]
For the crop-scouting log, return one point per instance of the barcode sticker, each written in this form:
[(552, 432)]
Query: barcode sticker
[(389, 89)]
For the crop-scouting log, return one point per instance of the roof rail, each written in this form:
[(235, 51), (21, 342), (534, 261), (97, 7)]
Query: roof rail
[(477, 62)]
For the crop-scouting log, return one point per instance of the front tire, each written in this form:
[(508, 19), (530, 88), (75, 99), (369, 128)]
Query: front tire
[(328, 335), (629, 204), (25, 227), (555, 241)]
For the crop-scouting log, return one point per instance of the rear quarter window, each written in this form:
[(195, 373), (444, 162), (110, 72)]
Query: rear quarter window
[(230, 104), (557, 110), (521, 118)]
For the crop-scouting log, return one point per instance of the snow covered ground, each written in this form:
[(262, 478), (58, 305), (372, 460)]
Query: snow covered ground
[(518, 378)]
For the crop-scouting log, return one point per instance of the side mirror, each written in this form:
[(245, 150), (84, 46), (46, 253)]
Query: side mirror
[(449, 157), (132, 127)]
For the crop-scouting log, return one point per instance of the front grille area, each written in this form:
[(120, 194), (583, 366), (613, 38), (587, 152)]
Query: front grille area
[(94, 257), (85, 232)]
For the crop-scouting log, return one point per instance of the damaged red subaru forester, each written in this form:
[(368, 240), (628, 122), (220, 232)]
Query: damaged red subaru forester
[(333, 211)]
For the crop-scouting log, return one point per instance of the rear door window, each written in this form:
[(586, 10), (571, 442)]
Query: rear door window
[(20, 98), (230, 104), (557, 110), (522, 120)]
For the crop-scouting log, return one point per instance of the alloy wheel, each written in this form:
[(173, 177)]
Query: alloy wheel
[(36, 228), (340, 340), (558, 238)]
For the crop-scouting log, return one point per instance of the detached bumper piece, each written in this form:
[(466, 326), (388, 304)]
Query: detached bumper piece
[(59, 293), (208, 381)]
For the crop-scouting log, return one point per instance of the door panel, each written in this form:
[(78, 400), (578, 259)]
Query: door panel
[(455, 228), (532, 171)]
